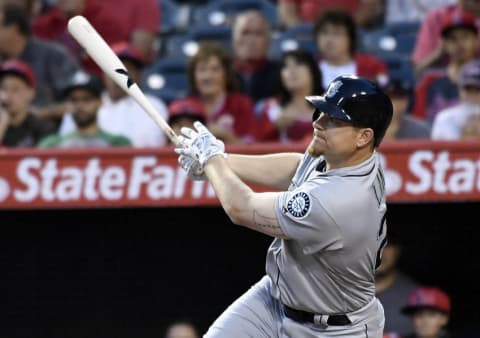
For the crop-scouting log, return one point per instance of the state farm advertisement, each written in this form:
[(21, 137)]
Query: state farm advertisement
[(414, 172)]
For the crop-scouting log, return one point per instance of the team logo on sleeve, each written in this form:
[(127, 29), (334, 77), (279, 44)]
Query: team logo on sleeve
[(299, 204)]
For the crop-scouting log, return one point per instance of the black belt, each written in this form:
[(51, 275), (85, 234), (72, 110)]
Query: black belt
[(304, 316)]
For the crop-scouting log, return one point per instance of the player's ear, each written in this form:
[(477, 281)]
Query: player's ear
[(365, 136)]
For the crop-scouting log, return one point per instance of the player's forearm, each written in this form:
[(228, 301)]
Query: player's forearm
[(275, 171), (242, 205)]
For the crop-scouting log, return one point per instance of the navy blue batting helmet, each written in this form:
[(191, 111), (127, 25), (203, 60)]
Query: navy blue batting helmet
[(358, 101)]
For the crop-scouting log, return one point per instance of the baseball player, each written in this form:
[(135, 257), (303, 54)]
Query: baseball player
[(328, 219)]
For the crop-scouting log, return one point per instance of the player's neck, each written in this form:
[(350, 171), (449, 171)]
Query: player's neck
[(356, 158)]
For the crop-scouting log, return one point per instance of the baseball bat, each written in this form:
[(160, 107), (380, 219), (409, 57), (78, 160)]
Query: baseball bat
[(96, 47)]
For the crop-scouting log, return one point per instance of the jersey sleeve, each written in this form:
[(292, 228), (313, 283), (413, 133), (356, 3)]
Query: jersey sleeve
[(303, 218)]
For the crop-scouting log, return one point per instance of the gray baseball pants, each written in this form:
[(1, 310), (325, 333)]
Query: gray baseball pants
[(256, 314)]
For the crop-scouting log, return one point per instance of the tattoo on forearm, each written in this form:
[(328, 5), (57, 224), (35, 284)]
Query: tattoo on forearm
[(266, 222)]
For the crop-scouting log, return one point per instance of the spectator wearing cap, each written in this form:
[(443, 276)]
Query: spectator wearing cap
[(183, 113), (336, 38), (462, 121), (18, 126), (429, 310), (83, 94), (438, 89), (392, 285), (403, 125), (120, 113), (429, 49), (51, 63)]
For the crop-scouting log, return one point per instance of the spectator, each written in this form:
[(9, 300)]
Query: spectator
[(213, 82), (411, 10), (182, 329), (404, 125), (18, 126), (83, 93), (120, 113), (50, 62), (462, 120), (251, 40), (116, 21), (393, 286), (336, 37), (438, 89), (183, 112), (429, 309), (288, 117), (429, 49), (368, 13)]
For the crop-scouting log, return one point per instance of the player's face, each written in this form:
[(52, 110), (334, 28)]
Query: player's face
[(335, 139), (210, 77), (428, 323)]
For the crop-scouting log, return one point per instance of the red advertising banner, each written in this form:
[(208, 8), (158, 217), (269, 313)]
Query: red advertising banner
[(414, 172)]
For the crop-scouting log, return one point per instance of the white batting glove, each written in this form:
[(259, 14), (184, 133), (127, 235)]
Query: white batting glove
[(192, 167), (199, 145)]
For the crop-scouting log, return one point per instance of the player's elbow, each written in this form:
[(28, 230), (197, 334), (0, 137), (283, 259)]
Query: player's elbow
[(236, 215)]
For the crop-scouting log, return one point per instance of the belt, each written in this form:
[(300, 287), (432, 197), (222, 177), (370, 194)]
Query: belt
[(304, 316)]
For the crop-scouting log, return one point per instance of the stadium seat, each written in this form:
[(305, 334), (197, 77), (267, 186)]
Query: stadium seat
[(383, 41), (168, 18), (403, 28), (222, 12), (399, 66), (298, 37), (167, 78), (185, 44)]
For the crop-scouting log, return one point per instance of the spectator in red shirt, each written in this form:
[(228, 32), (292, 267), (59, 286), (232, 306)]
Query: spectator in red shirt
[(429, 49), (438, 89), (213, 82), (336, 38), (288, 117), (293, 12), (116, 21)]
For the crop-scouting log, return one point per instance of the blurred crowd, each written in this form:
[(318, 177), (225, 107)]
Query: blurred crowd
[(241, 67)]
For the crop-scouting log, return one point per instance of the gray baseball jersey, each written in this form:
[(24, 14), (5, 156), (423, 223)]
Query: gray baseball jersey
[(336, 224)]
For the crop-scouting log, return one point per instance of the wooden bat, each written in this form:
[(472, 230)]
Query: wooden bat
[(107, 60)]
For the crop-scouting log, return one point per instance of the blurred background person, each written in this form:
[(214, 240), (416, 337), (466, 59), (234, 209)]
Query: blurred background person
[(437, 89), (18, 126), (429, 311), (51, 63), (429, 50), (251, 34), (404, 126), (411, 10), (288, 117), (82, 94), (336, 37), (119, 113), (183, 113), (367, 13), (462, 121), (214, 84), (392, 286), (182, 329)]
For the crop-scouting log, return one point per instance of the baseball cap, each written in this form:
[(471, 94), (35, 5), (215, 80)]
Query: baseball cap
[(83, 80), (427, 297), (186, 107), (125, 50), (470, 74), (19, 68), (458, 19)]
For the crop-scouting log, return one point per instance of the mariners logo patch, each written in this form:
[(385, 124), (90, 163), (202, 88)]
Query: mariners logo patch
[(299, 205), (333, 88)]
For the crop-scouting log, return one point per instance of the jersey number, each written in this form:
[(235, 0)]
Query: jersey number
[(381, 232)]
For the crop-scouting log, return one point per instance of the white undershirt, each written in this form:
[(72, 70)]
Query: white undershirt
[(330, 72)]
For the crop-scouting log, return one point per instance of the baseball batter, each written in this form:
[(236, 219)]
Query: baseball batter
[(328, 219)]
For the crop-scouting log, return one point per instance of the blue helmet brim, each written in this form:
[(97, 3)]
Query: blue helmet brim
[(322, 105)]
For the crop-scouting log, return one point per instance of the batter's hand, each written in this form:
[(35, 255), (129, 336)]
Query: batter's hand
[(193, 168), (199, 145)]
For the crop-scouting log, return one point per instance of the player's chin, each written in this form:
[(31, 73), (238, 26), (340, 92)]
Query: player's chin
[(316, 147)]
